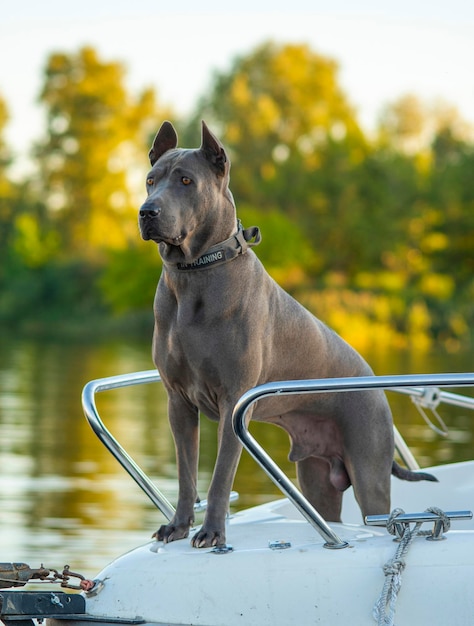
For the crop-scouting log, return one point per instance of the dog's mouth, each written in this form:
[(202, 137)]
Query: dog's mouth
[(178, 245), (172, 241), (149, 233)]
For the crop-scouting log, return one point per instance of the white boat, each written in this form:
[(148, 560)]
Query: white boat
[(283, 563)]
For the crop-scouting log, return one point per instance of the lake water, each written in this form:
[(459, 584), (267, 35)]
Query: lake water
[(64, 499)]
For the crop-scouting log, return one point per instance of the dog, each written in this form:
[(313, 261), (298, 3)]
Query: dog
[(223, 326)]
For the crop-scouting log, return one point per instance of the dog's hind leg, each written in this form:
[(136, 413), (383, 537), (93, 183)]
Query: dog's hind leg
[(371, 482), (315, 482)]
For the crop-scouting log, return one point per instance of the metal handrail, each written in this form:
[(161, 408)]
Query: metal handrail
[(427, 397), (401, 384), (109, 441), (447, 397), (240, 425)]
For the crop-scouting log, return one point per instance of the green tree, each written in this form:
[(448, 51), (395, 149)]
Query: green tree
[(277, 108), (449, 243), (25, 244), (293, 139), (374, 216), (4, 152), (96, 138), (6, 188)]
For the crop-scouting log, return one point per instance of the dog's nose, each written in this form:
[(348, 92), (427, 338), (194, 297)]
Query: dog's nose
[(149, 210)]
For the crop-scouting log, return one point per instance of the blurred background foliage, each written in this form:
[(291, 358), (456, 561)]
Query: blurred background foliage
[(374, 233)]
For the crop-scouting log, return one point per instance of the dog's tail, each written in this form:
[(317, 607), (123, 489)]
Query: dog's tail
[(405, 474)]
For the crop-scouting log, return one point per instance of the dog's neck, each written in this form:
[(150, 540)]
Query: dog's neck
[(224, 251)]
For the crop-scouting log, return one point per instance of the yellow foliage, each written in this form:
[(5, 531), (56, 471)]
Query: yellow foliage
[(97, 135), (440, 286), (363, 319), (418, 326), (288, 277), (434, 242), (458, 325), (240, 92), (267, 113), (416, 226), (233, 133), (417, 262), (389, 281), (268, 171)]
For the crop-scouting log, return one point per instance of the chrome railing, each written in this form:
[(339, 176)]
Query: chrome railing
[(414, 385), (90, 409), (293, 387)]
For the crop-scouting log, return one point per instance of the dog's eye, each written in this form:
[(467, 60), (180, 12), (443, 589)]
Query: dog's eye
[(150, 181), (186, 181)]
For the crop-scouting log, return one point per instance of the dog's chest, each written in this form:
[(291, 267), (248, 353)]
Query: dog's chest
[(191, 346)]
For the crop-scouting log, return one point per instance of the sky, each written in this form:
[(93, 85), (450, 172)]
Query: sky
[(384, 49)]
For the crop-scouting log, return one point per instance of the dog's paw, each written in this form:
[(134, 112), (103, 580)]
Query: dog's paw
[(171, 532), (208, 538)]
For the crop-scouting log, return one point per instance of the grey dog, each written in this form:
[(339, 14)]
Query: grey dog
[(223, 326)]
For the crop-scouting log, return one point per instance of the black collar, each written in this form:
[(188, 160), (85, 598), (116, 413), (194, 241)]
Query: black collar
[(227, 250)]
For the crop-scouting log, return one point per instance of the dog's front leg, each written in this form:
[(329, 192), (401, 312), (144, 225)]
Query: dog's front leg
[(212, 532), (184, 421)]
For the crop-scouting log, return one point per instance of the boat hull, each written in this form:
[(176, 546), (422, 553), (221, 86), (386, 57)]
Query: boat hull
[(279, 571)]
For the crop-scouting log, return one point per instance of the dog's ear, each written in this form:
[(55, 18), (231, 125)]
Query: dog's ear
[(166, 139), (214, 151)]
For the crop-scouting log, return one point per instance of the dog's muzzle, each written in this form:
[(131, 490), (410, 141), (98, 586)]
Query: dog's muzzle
[(147, 220), (150, 226)]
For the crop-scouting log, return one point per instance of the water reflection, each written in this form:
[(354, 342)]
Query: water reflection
[(64, 499)]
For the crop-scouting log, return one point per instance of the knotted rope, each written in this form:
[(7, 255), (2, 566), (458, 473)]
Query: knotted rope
[(384, 609)]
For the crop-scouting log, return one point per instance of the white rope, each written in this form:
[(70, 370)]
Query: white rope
[(384, 609)]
